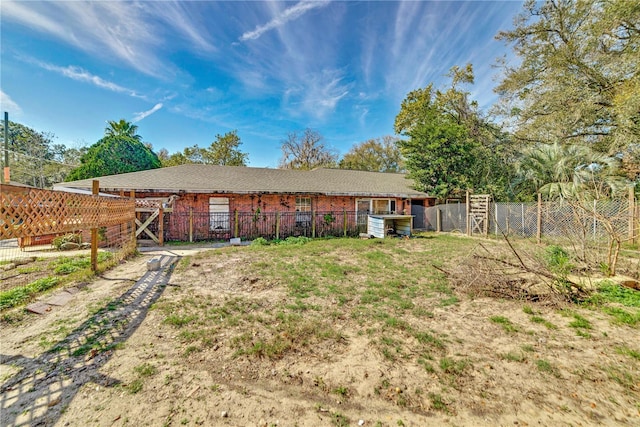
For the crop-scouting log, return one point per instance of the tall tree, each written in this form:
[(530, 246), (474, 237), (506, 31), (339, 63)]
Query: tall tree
[(224, 150), (306, 151), (577, 78), (33, 157), (451, 147), (113, 155), (439, 155), (122, 128), (569, 171), (377, 155)]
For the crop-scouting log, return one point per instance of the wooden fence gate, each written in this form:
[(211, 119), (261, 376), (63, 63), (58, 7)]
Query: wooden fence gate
[(478, 214), (150, 210)]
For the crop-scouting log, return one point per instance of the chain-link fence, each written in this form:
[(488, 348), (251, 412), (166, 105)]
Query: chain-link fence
[(585, 220)]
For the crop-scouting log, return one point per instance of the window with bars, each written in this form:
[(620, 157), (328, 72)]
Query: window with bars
[(303, 211)]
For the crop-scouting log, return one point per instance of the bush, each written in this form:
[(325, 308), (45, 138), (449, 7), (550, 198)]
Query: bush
[(260, 241), (60, 241), (558, 260)]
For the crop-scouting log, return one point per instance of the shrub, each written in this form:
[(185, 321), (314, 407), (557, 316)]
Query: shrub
[(260, 241), (558, 260)]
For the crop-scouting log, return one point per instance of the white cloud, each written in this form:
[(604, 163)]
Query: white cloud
[(17, 11), (184, 19), (129, 33), (9, 105), (317, 94), (285, 16), (76, 73), (139, 116)]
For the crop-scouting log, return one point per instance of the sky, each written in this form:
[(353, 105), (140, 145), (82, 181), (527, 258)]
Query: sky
[(186, 71)]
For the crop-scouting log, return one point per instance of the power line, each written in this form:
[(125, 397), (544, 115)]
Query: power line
[(18, 153)]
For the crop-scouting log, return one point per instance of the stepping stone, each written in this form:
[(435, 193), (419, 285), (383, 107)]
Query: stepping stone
[(39, 308), (60, 299), (72, 290)]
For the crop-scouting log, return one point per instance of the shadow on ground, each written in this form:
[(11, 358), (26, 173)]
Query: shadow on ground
[(38, 394)]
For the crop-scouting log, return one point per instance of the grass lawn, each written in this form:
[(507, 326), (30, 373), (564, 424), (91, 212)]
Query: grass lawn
[(332, 332)]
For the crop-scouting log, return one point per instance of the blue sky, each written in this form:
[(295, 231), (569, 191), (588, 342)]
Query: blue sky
[(188, 70)]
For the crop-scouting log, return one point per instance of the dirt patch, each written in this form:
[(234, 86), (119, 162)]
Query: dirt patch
[(238, 337)]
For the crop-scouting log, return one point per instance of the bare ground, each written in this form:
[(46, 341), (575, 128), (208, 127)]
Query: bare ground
[(145, 370)]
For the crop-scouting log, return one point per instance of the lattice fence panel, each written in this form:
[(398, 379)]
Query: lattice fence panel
[(35, 212)]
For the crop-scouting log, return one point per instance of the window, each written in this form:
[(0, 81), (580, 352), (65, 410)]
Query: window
[(219, 213), (365, 207), (303, 204), (303, 211)]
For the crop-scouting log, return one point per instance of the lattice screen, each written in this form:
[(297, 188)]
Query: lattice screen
[(35, 212)]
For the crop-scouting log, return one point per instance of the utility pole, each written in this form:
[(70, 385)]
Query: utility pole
[(6, 175)]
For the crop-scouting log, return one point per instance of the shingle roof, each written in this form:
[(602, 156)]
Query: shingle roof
[(198, 178)]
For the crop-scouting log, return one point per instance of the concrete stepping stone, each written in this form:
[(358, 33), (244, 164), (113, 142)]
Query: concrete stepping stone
[(39, 308), (60, 299)]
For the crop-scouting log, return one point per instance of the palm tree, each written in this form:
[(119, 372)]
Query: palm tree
[(569, 170), (122, 128)]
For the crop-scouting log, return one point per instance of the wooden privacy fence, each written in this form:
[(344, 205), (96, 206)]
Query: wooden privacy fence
[(31, 212)]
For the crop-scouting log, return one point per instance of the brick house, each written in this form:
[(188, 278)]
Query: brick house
[(213, 201)]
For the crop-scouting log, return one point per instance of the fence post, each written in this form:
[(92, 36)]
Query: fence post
[(161, 225), (594, 218), (506, 220), (132, 196), (344, 222), (632, 211), (468, 208), (95, 189), (438, 220), (190, 224), (236, 225), (313, 224), (539, 220), (278, 225)]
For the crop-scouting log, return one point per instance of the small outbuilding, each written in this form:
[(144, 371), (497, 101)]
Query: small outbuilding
[(381, 226)]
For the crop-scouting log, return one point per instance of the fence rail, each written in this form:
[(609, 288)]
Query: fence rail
[(588, 220)]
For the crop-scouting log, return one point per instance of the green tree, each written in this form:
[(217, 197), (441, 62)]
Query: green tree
[(577, 78), (33, 157), (306, 151), (113, 155), (569, 171), (439, 154), (414, 108), (377, 155), (122, 128), (224, 150), (451, 147)]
